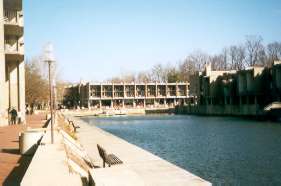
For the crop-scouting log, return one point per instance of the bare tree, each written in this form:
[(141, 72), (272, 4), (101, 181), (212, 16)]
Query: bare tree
[(237, 55), (255, 50), (159, 73), (218, 62), (273, 52), (173, 75), (186, 69), (143, 77), (200, 59)]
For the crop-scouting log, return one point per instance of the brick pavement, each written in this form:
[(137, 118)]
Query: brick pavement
[(12, 164)]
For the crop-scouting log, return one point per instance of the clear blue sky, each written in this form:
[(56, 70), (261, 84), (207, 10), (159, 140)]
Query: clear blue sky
[(98, 39)]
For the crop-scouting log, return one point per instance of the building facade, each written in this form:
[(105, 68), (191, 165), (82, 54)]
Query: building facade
[(12, 74), (245, 92), (130, 95)]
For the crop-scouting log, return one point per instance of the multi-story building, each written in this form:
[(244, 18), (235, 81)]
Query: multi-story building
[(130, 95), (244, 92), (12, 81)]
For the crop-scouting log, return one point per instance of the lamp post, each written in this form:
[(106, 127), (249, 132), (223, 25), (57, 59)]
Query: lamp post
[(49, 59)]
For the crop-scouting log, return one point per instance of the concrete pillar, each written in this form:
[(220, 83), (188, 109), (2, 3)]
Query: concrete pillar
[(134, 103), (112, 90), (135, 89), (175, 102), (154, 103), (177, 90), (165, 103), (101, 92), (124, 90), (166, 89), (13, 85), (111, 103), (100, 103), (145, 90), (21, 86), (123, 103), (225, 100), (156, 90), (240, 100), (144, 103)]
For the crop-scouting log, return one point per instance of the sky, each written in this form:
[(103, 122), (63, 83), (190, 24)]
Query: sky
[(95, 40)]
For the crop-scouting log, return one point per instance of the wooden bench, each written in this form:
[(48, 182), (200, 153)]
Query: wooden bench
[(73, 125), (110, 159)]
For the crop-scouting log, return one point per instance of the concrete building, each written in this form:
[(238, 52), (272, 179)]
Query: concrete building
[(245, 92), (131, 95), (12, 81)]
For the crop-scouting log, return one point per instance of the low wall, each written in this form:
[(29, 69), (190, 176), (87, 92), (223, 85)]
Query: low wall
[(225, 110)]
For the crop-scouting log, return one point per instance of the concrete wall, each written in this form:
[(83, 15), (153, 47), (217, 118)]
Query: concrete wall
[(224, 110)]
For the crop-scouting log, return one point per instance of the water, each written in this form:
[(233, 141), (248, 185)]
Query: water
[(222, 150)]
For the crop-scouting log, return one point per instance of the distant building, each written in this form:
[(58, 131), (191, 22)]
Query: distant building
[(127, 95), (243, 92), (12, 75)]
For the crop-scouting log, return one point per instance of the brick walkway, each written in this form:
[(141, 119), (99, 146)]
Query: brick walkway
[(12, 164)]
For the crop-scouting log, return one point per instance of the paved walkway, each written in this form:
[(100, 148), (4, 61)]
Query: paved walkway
[(12, 164)]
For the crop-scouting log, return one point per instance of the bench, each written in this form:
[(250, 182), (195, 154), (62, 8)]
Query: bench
[(73, 125), (110, 159)]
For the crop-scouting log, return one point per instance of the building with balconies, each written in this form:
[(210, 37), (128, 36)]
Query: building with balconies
[(12, 81), (132, 95)]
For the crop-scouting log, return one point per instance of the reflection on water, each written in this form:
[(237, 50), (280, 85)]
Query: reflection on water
[(222, 150)]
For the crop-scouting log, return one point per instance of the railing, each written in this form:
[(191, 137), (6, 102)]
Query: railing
[(12, 46), (11, 16)]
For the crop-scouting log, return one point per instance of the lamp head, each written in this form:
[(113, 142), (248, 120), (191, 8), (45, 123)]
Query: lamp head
[(49, 53)]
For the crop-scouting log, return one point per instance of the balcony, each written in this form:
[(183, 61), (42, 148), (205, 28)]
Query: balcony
[(13, 4), (13, 17), (14, 49), (13, 22)]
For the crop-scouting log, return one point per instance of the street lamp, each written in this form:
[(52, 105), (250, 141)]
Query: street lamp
[(50, 59)]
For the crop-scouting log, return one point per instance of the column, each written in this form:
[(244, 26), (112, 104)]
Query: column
[(134, 103), (100, 103), (156, 90), (112, 90), (165, 102), (135, 89), (101, 91), (145, 90), (177, 90), (111, 103), (22, 90), (123, 103), (124, 90)]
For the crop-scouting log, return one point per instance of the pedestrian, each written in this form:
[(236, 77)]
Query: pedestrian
[(14, 115)]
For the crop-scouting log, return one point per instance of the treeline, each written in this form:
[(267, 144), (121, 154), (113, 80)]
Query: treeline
[(252, 52)]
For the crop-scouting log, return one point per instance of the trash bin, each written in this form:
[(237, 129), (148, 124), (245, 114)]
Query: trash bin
[(28, 141)]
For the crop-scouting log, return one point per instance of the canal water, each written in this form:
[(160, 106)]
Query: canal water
[(222, 150)]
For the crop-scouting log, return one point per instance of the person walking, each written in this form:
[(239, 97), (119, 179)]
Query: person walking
[(14, 115)]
